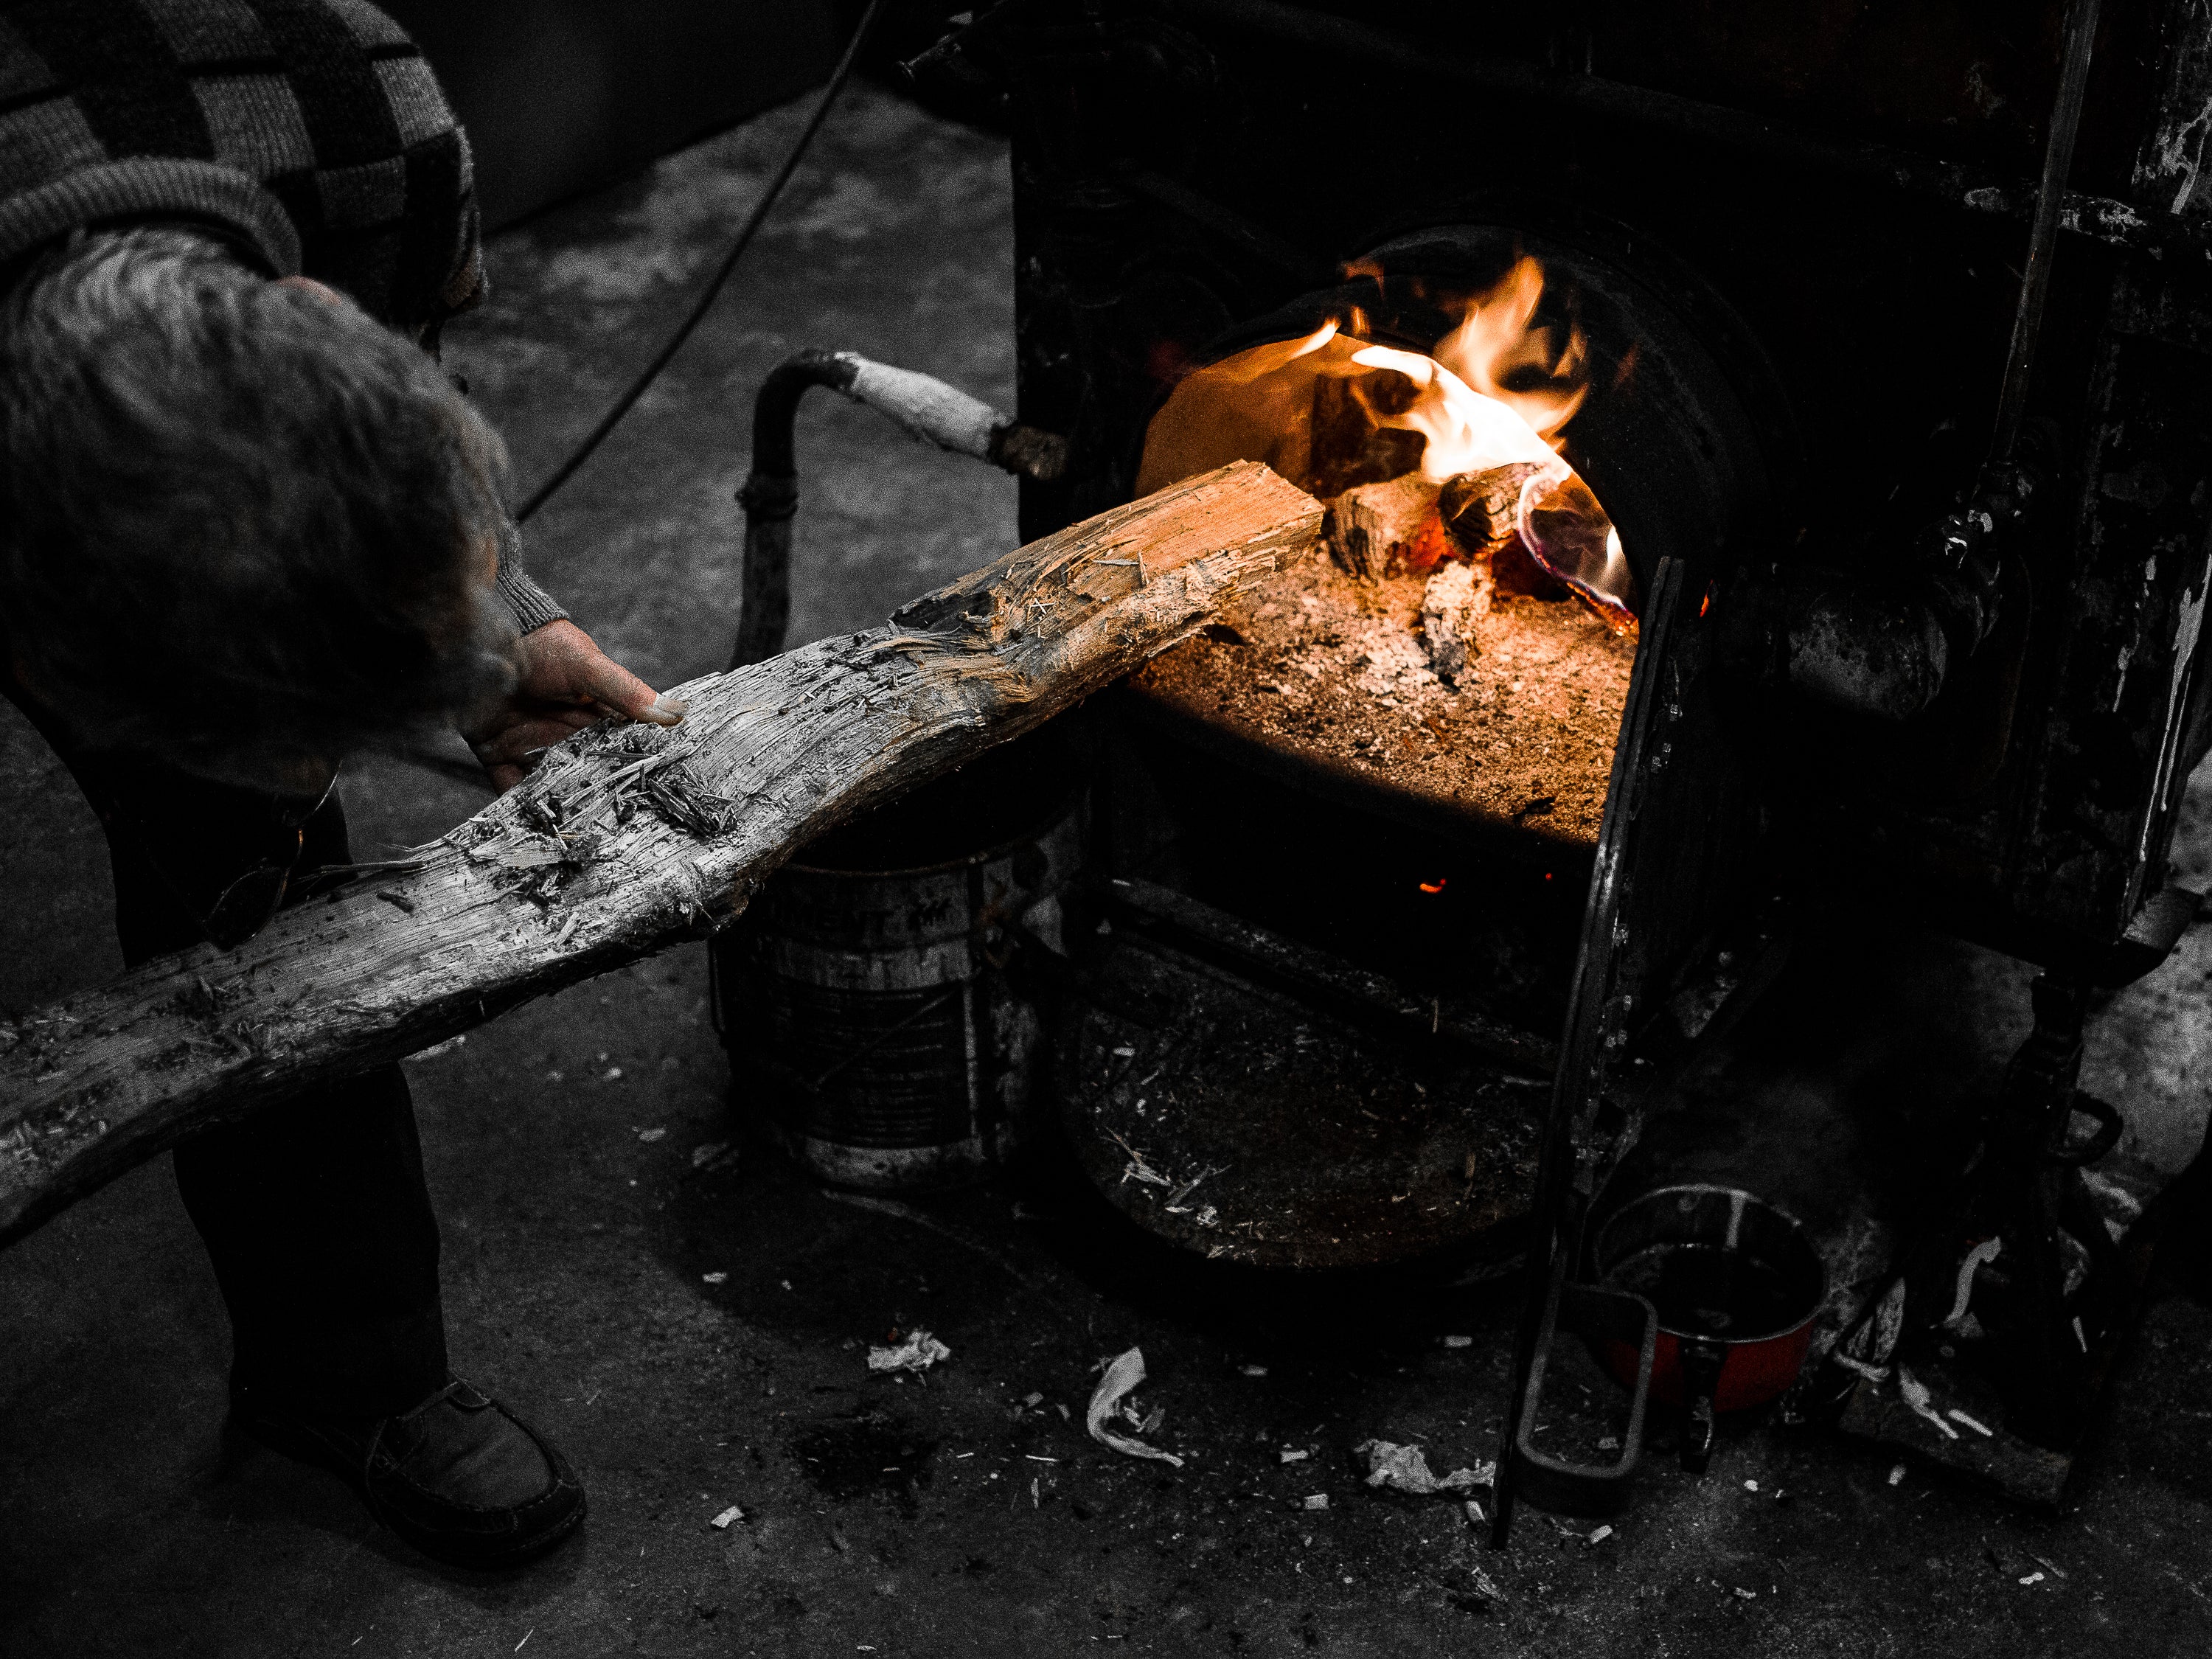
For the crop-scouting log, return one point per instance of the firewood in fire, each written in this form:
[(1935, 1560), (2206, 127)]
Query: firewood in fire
[(1453, 607), (1379, 529), (1480, 511), (1344, 447)]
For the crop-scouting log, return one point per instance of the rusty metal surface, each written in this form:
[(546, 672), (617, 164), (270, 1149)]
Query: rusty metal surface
[(1244, 1126)]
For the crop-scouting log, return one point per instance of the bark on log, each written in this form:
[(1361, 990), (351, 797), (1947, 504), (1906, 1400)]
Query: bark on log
[(1378, 529), (626, 838)]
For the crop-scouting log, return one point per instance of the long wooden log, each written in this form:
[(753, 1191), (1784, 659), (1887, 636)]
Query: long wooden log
[(627, 838)]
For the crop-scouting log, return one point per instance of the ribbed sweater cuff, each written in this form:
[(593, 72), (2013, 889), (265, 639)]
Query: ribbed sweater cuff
[(531, 606)]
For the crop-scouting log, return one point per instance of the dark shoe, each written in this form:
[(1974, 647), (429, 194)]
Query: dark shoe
[(460, 1477)]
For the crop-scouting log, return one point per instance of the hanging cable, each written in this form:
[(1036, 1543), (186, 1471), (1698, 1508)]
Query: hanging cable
[(623, 405)]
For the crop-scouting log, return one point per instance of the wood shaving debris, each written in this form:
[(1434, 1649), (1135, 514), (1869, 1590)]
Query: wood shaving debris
[(1121, 1377), (1917, 1396), (1405, 1468), (917, 1353)]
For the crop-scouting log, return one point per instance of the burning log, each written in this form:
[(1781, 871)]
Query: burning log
[(1409, 523), (1482, 510), (626, 839), (1378, 529)]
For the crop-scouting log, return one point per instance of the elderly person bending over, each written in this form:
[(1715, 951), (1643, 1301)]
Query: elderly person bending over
[(247, 528)]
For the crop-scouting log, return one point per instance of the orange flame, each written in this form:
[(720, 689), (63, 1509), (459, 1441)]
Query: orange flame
[(1498, 390), (1499, 340)]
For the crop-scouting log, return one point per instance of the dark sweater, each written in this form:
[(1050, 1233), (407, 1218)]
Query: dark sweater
[(309, 134)]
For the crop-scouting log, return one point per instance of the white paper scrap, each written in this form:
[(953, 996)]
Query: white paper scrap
[(1405, 1468), (917, 1353), (1121, 1380)]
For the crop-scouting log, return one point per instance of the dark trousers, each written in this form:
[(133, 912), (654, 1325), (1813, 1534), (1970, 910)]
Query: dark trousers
[(314, 1209)]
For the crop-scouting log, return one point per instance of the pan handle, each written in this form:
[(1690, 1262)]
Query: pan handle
[(2109, 1122), (1701, 1360), (1595, 1314)]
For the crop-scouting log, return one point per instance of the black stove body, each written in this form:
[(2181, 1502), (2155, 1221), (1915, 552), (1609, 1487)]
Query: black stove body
[(1796, 237), (1833, 200)]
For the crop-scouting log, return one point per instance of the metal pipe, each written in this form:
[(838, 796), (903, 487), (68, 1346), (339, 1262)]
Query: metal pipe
[(924, 406), (2035, 285)]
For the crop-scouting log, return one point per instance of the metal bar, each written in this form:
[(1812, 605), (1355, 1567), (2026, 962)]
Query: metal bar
[(1287, 960), (1581, 1074), (2035, 284)]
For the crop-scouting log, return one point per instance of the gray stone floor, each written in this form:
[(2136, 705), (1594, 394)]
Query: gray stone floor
[(945, 1517)]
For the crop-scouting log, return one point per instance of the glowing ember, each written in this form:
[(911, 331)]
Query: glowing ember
[(1486, 407)]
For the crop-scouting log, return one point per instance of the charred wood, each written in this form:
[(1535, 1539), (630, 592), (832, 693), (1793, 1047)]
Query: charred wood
[(1377, 530)]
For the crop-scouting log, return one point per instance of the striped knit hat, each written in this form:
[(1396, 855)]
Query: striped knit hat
[(310, 133)]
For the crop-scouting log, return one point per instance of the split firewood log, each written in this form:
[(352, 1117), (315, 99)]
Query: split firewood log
[(1482, 509), (1377, 530), (1481, 513), (626, 839)]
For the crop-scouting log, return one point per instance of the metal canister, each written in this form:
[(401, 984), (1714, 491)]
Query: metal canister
[(871, 998)]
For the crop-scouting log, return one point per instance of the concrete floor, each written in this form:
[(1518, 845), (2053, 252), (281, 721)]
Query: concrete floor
[(946, 1516)]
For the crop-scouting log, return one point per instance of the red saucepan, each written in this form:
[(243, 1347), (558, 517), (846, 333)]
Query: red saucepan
[(1736, 1283)]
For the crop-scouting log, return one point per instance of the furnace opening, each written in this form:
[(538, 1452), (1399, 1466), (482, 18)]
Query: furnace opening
[(1470, 637)]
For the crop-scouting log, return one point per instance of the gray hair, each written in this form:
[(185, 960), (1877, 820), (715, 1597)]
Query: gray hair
[(239, 525)]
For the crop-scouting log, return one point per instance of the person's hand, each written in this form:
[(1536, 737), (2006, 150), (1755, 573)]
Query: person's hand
[(563, 683)]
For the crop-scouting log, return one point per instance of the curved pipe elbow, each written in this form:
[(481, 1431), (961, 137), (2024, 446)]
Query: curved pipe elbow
[(921, 405)]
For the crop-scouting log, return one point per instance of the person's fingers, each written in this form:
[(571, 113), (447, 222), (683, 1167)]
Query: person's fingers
[(560, 661), (505, 775), (662, 711), (615, 688)]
